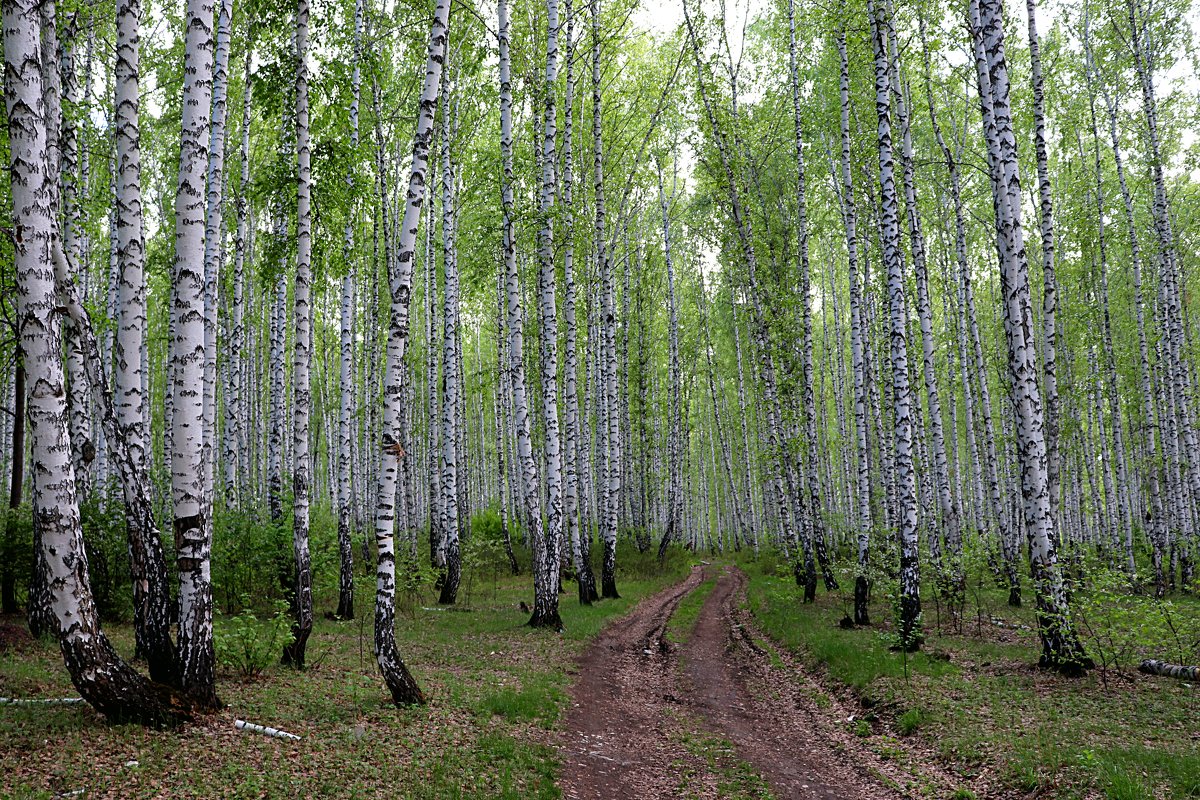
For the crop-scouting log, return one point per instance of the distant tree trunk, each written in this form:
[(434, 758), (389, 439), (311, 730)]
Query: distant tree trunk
[(400, 683), (237, 457), (345, 494), (674, 412), (857, 340), (16, 482)]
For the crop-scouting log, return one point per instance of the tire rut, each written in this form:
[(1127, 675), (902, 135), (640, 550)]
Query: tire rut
[(638, 700)]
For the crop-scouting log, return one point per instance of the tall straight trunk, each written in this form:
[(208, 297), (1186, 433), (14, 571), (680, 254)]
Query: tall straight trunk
[(675, 444), (1050, 281), (1124, 512), (608, 325), (1061, 649), (857, 339), (910, 598), (816, 505), (580, 542), (345, 494), (1008, 526), (400, 683), (451, 512), (191, 495), (214, 206), (951, 527), (744, 419), (503, 465), (546, 563), (102, 678), (302, 600), (236, 456)]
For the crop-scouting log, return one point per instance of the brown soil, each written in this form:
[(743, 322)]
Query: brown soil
[(13, 636), (638, 700)]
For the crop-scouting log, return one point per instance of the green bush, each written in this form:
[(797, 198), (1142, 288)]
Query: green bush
[(247, 645)]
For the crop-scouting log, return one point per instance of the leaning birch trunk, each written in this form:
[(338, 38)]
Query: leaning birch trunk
[(148, 566), (1061, 649), (910, 598), (102, 678), (503, 465), (580, 550), (399, 681), (345, 498), (451, 378), (857, 338), (608, 348), (1153, 436), (302, 600), (192, 498), (1125, 515)]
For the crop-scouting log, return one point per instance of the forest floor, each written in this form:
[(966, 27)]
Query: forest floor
[(496, 691), (685, 698)]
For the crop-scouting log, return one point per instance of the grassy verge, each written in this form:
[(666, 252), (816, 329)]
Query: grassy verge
[(495, 689), (977, 696)]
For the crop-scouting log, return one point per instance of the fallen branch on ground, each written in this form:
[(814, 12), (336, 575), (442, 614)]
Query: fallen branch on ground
[(242, 725), (37, 701), (1152, 666)]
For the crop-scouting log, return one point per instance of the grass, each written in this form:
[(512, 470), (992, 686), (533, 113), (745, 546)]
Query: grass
[(679, 627), (496, 690), (978, 697), (735, 778)]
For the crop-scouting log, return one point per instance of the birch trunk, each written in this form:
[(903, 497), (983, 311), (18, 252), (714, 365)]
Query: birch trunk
[(451, 513), (400, 683), (302, 600), (192, 496), (608, 347), (102, 678), (345, 494), (910, 598)]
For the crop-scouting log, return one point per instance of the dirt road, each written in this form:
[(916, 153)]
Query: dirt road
[(714, 717)]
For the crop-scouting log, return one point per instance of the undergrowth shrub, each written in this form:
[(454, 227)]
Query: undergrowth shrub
[(248, 645)]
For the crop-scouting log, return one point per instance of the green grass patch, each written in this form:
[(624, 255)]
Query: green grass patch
[(736, 779), (679, 627)]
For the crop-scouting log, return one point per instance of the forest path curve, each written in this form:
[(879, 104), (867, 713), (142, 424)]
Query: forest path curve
[(639, 702)]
